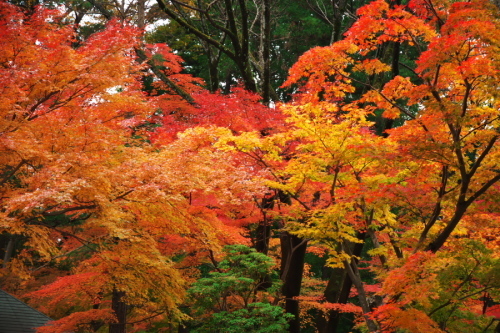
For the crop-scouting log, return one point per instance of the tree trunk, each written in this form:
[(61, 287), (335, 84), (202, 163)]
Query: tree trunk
[(9, 249), (262, 237), (213, 71), (266, 41), (263, 232), (120, 309), (141, 14), (337, 291), (293, 250)]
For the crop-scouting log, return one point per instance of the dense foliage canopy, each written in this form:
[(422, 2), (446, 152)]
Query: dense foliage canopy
[(201, 174)]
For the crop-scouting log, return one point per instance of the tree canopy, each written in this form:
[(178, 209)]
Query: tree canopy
[(161, 176)]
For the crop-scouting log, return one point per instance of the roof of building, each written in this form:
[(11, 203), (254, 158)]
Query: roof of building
[(18, 317)]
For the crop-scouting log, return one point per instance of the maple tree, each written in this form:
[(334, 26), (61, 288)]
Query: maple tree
[(91, 205), (122, 178), (60, 117), (415, 193)]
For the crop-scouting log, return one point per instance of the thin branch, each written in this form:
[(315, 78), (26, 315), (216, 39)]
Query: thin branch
[(483, 155), (121, 196), (66, 210), (214, 262), (483, 189), (100, 7), (437, 208), (147, 318), (195, 31), (459, 299), (11, 173), (59, 256), (181, 92)]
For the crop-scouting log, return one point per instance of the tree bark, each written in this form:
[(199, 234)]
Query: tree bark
[(338, 290), (333, 294), (293, 250), (141, 55), (237, 32), (120, 308), (266, 41), (9, 249), (262, 237)]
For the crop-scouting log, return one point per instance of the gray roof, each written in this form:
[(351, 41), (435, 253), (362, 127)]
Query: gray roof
[(18, 317)]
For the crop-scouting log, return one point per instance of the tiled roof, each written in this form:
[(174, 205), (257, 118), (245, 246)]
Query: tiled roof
[(18, 317)]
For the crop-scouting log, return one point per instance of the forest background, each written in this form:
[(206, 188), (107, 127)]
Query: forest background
[(252, 166)]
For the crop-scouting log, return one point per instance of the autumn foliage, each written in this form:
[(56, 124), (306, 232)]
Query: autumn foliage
[(420, 193), (122, 179), (94, 205)]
